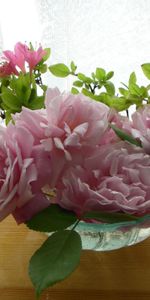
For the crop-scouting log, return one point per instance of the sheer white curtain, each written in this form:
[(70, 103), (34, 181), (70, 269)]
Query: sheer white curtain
[(113, 34)]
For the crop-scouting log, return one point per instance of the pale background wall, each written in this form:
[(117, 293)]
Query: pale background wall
[(113, 34)]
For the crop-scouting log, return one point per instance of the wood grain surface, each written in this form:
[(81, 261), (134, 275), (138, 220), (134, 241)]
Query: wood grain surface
[(117, 275)]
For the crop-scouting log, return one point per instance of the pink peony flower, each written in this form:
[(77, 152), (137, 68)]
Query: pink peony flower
[(116, 179), (24, 170), (140, 127), (70, 128)]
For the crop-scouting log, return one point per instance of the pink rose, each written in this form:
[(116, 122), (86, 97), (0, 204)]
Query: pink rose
[(115, 179), (140, 127), (24, 169)]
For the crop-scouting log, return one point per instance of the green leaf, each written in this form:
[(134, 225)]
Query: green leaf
[(43, 68), (107, 217), (8, 117), (43, 87), (51, 219), (123, 92), (110, 88), (119, 103), (73, 67), (124, 136), (109, 75), (37, 103), (74, 91), (100, 74), (132, 79), (47, 55), (93, 76), (146, 69), (134, 89), (78, 83), (9, 100), (55, 260), (21, 88), (59, 70), (82, 77)]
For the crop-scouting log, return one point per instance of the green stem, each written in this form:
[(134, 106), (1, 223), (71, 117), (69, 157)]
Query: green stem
[(75, 225)]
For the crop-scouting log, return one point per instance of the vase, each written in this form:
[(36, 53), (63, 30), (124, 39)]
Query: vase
[(105, 237)]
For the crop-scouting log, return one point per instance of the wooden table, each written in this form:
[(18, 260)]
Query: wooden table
[(117, 275)]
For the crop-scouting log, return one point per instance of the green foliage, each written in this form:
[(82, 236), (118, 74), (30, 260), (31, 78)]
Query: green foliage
[(55, 260), (51, 219), (59, 70), (146, 69), (100, 74), (110, 88), (73, 67), (74, 91), (124, 136), (47, 55), (78, 83)]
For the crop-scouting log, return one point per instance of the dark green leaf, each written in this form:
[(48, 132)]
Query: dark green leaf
[(59, 70), (110, 88), (107, 217), (51, 219), (74, 91), (124, 136), (55, 260), (78, 83), (146, 70), (36, 103)]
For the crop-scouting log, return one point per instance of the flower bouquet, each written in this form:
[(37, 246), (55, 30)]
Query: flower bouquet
[(70, 163)]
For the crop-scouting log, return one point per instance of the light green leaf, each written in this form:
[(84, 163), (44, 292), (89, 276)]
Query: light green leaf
[(110, 88), (146, 69), (9, 100), (73, 67), (109, 75), (119, 103), (74, 91), (123, 92), (51, 219), (55, 260), (47, 55), (107, 217), (124, 136), (43, 68), (100, 74), (82, 77), (59, 70), (78, 83), (132, 79), (134, 89)]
